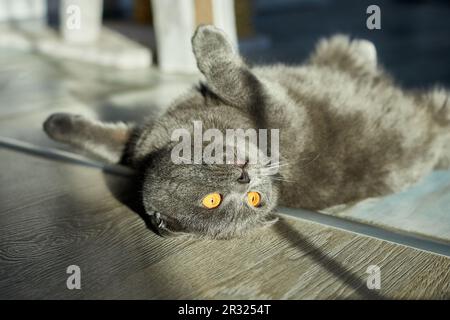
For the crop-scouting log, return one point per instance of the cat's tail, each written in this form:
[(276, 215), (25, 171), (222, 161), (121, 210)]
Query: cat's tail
[(437, 101)]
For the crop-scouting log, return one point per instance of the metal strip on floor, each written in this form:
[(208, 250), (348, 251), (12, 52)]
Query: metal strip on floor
[(402, 238), (61, 155)]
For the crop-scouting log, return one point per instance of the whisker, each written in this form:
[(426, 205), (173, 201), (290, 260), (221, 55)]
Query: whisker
[(314, 159), (278, 165), (278, 162), (283, 180)]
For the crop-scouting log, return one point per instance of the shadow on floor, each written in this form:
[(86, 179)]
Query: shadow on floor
[(332, 266), (129, 193)]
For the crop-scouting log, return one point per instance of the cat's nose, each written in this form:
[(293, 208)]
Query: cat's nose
[(244, 177), (241, 164)]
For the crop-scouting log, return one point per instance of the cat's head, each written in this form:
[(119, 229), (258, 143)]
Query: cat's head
[(208, 200), (226, 198)]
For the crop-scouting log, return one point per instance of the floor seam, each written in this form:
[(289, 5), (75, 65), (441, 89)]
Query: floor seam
[(57, 154), (360, 228)]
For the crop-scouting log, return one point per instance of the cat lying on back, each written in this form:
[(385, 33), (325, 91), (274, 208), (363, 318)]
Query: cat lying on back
[(346, 133)]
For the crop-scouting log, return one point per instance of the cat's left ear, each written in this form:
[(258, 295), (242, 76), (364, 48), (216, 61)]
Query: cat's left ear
[(225, 72), (163, 225)]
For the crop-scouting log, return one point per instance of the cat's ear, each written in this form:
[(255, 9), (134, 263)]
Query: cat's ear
[(164, 226), (225, 72)]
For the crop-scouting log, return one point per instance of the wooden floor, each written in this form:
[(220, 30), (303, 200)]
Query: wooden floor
[(55, 213)]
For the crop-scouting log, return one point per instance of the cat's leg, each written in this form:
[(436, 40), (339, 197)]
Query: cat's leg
[(357, 57), (104, 140), (233, 82), (438, 100), (225, 72), (444, 159)]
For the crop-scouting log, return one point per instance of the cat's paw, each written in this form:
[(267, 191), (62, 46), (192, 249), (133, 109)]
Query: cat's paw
[(366, 50), (210, 43), (60, 126), (339, 51)]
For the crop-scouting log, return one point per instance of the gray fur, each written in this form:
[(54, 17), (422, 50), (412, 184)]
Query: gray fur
[(347, 132), (103, 140)]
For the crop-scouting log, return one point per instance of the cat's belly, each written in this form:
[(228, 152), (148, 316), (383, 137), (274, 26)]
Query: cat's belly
[(360, 139), (337, 176)]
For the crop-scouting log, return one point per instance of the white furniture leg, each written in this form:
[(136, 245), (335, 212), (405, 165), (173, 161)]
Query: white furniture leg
[(175, 22), (81, 20)]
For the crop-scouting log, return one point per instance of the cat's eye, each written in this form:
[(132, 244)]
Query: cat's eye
[(254, 198), (212, 200)]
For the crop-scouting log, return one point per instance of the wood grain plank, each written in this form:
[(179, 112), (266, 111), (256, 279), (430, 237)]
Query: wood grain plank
[(33, 87), (76, 221), (30, 82), (54, 214), (131, 106)]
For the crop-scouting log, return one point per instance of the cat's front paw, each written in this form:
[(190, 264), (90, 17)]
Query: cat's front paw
[(210, 42), (60, 126), (365, 50)]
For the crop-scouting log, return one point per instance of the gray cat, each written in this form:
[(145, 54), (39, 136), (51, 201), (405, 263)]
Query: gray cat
[(347, 132)]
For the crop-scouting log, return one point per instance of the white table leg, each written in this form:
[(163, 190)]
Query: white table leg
[(175, 22), (81, 20)]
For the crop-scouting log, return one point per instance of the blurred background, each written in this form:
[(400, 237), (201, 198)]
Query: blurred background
[(413, 43)]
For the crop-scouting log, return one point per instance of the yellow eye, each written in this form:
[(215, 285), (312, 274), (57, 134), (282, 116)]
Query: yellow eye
[(212, 200), (254, 198)]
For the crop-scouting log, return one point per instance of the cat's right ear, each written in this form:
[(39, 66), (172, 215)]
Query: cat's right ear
[(225, 72), (164, 226)]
